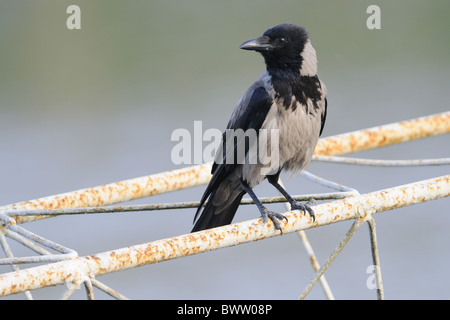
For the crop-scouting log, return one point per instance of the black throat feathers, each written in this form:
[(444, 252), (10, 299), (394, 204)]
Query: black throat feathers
[(289, 85)]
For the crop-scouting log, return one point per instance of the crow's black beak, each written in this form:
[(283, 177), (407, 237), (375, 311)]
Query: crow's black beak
[(258, 44)]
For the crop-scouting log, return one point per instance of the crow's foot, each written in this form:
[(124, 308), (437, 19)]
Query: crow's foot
[(303, 207), (274, 216)]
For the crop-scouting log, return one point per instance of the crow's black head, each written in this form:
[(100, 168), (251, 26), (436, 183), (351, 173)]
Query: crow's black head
[(281, 46)]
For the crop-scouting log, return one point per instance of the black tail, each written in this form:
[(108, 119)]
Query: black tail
[(215, 216)]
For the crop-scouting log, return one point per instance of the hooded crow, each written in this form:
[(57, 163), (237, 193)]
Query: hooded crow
[(289, 102)]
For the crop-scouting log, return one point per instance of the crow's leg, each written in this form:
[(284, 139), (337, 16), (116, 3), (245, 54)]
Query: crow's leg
[(295, 205), (265, 213)]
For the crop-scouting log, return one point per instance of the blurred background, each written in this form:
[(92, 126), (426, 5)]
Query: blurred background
[(80, 108)]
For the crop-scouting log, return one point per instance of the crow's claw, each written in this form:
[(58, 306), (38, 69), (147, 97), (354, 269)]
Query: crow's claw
[(274, 216), (303, 207)]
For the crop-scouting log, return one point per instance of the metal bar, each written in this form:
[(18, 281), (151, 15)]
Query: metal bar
[(120, 191), (71, 289), (27, 243), (165, 206), (89, 288), (383, 163), (384, 135), (355, 226), (197, 175), (315, 263), (376, 257), (312, 256), (65, 252), (108, 290), (330, 184), (357, 207), (9, 254)]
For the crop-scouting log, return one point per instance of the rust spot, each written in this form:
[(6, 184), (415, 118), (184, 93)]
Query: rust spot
[(95, 258), (314, 261)]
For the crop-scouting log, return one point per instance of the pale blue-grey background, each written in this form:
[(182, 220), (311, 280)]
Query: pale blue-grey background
[(98, 105)]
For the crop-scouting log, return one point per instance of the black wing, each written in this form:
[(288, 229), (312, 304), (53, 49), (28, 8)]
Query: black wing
[(252, 118), (324, 117)]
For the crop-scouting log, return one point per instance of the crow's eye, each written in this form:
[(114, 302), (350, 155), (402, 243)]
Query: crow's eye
[(282, 40)]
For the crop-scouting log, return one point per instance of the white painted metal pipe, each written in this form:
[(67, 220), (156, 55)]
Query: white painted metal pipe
[(358, 207)]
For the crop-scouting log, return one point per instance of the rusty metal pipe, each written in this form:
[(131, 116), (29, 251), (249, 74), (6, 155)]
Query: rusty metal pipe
[(358, 207), (118, 192), (384, 135), (200, 174)]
